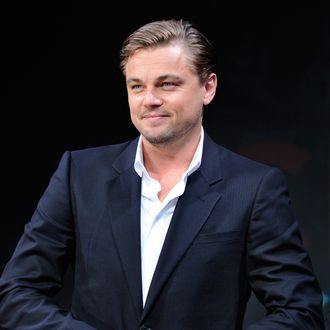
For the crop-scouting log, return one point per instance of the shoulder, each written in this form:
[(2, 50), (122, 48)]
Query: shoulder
[(231, 161), (235, 162), (99, 151), (238, 169), (106, 152), (100, 156)]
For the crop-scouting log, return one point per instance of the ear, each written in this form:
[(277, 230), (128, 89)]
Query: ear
[(210, 88)]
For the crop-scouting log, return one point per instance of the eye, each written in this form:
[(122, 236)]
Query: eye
[(167, 84), (136, 87)]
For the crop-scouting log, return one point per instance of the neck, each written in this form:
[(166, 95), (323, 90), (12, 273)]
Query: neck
[(175, 156)]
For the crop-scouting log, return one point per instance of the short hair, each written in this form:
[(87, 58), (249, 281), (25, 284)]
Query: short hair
[(165, 32)]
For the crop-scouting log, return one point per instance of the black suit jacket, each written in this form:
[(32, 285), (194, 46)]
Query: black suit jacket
[(233, 230)]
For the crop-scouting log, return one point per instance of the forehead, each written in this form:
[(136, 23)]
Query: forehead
[(158, 60)]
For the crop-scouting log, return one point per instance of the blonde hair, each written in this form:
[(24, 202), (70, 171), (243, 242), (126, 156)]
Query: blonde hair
[(164, 32)]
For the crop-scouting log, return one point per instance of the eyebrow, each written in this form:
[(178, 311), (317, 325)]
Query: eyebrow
[(137, 80), (160, 78), (169, 76)]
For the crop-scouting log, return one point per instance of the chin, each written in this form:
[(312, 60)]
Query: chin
[(158, 139)]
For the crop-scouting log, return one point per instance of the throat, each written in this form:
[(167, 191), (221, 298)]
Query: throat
[(167, 182)]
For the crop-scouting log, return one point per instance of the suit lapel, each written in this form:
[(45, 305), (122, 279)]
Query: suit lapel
[(125, 191), (191, 212)]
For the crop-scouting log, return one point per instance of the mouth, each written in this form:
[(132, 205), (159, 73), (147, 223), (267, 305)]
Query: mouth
[(154, 114), (154, 120)]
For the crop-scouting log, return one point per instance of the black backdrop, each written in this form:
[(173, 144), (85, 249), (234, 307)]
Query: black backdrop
[(61, 88)]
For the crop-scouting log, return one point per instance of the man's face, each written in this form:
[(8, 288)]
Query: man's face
[(165, 96)]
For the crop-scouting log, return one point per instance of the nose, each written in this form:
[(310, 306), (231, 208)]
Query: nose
[(151, 99)]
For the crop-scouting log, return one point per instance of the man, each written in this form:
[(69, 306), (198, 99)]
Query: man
[(170, 230)]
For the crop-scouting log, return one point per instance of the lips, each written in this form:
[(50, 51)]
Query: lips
[(151, 115)]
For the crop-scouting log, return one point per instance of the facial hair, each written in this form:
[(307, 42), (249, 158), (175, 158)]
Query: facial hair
[(173, 133)]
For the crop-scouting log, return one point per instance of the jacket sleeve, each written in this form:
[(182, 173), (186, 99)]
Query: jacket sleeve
[(35, 271), (279, 269)]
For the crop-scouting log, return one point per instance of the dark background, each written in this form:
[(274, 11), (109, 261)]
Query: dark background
[(61, 88)]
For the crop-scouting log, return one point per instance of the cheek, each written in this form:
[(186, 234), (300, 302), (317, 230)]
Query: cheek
[(134, 109), (192, 105), (134, 101)]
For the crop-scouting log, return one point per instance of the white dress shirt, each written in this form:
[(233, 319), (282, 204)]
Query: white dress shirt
[(156, 215)]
